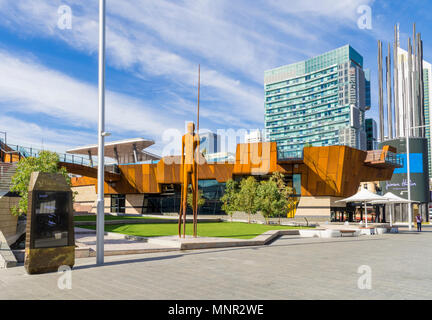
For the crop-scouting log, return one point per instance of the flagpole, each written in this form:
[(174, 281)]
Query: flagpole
[(198, 155), (101, 140)]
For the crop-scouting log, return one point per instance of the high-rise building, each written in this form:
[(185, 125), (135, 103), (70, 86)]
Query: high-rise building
[(407, 102), (401, 113), (320, 101), (209, 142), (371, 134), (253, 136)]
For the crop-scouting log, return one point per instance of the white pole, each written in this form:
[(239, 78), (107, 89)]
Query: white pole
[(410, 106), (365, 210), (391, 215), (409, 180), (101, 142)]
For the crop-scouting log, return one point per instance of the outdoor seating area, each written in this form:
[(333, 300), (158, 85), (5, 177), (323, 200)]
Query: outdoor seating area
[(365, 198)]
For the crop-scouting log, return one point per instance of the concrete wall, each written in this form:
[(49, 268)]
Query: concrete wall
[(241, 216), (317, 206), (84, 199), (8, 222), (134, 203)]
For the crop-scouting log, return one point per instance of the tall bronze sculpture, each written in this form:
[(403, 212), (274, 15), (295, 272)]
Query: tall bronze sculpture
[(188, 171)]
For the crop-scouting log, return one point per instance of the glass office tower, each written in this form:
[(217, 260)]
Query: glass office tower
[(319, 102), (371, 134)]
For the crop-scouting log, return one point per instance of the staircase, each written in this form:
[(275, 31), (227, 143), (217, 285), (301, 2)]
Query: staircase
[(7, 170)]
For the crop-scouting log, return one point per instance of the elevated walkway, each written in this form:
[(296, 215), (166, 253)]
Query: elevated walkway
[(11, 154)]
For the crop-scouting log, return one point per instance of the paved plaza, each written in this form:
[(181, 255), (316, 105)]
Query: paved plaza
[(289, 268)]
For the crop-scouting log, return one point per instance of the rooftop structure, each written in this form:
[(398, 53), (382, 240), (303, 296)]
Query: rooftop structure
[(123, 151), (253, 136)]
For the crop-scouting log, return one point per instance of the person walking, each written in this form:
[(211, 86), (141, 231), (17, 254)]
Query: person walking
[(419, 220)]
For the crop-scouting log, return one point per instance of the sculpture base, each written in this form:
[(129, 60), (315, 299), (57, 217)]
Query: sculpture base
[(45, 260)]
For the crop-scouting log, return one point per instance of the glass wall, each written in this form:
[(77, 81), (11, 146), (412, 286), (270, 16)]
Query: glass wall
[(118, 203), (211, 190)]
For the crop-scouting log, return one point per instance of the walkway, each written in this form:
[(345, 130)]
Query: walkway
[(290, 268)]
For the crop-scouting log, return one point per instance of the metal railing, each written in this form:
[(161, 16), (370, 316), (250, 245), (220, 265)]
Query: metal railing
[(384, 156), (63, 157), (25, 152), (34, 152)]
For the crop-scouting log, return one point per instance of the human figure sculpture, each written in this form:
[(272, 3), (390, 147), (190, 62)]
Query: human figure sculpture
[(188, 172)]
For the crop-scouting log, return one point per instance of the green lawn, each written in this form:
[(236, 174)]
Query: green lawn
[(109, 217), (237, 230)]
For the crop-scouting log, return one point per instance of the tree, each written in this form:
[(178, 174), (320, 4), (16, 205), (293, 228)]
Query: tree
[(245, 200), (270, 201), (46, 162), (200, 199), (286, 191), (230, 197)]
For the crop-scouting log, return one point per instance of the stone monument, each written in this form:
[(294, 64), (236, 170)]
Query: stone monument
[(50, 238)]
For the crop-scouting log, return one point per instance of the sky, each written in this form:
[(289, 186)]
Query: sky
[(49, 73)]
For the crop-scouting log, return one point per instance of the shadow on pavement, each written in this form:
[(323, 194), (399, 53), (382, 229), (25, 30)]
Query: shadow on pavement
[(113, 263)]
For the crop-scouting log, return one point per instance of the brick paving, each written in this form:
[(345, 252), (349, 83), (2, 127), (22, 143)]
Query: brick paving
[(289, 268)]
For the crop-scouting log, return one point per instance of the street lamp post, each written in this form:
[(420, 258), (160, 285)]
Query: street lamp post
[(408, 176), (101, 139)]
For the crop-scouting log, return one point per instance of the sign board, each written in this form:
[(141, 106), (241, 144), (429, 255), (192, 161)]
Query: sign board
[(419, 175), (50, 239)]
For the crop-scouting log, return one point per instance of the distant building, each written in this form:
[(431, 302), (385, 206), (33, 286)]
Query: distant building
[(371, 134), (320, 102), (401, 115), (209, 142), (253, 136), (220, 157)]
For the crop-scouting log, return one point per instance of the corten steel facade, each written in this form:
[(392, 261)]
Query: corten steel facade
[(320, 102), (323, 175)]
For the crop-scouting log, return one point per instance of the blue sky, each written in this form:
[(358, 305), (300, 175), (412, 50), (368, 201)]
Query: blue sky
[(48, 83)]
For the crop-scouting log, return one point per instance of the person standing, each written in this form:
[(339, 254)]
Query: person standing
[(419, 220)]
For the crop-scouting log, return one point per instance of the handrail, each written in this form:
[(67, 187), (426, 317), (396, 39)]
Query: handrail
[(384, 156), (63, 157), (4, 152), (33, 152)]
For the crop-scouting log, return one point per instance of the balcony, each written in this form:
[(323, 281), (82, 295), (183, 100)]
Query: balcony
[(384, 158)]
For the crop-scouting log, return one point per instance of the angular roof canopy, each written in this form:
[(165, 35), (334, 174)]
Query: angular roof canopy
[(364, 196), (392, 198), (123, 151)]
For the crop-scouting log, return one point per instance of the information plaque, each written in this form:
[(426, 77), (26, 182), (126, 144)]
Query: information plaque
[(50, 239)]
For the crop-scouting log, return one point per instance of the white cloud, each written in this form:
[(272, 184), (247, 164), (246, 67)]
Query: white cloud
[(131, 47), (34, 89), (163, 41), (31, 134), (346, 9)]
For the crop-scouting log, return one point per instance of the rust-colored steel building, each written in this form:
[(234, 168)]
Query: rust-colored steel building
[(320, 177)]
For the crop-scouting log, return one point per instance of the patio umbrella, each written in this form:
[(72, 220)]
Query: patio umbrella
[(364, 196), (392, 199)]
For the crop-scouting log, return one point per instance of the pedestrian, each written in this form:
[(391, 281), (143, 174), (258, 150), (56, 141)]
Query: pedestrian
[(419, 220)]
